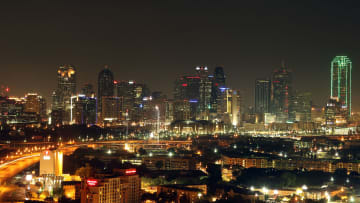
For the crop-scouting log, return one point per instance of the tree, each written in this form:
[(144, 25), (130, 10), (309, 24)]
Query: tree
[(159, 164), (142, 151), (288, 179), (86, 171)]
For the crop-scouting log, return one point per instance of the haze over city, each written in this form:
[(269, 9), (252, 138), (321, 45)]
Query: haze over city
[(180, 101), (154, 42)]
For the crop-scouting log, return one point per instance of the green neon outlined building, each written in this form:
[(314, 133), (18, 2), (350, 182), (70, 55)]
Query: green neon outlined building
[(341, 68)]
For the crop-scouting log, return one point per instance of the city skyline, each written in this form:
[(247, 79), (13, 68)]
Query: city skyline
[(180, 101), (249, 40)]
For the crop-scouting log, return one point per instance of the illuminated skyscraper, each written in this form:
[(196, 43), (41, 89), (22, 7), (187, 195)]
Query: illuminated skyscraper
[(204, 93), (281, 90), (65, 90), (229, 107), (105, 86), (341, 68), (197, 90), (262, 95)]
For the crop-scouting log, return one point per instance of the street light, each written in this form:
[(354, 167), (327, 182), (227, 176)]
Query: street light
[(71, 108), (158, 121)]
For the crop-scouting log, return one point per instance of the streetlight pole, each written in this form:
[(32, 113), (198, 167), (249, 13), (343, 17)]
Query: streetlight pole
[(71, 108)]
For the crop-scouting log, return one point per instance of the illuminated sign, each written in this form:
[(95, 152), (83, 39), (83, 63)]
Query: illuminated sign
[(184, 85), (91, 182), (46, 156), (130, 171)]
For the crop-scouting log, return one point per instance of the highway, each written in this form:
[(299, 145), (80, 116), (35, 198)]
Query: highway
[(13, 167)]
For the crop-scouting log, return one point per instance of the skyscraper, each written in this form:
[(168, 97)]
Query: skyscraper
[(217, 83), (341, 68), (84, 109), (105, 86), (229, 108), (262, 95), (65, 90), (204, 92), (197, 90), (281, 90)]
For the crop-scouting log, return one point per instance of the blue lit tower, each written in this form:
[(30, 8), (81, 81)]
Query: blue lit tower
[(341, 68)]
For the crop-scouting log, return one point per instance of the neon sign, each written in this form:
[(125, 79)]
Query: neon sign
[(131, 171), (91, 182)]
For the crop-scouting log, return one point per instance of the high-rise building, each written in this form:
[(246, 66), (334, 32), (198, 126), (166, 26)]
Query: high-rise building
[(51, 162), (218, 82), (65, 90), (105, 86), (197, 90), (335, 114), (32, 103), (110, 108), (281, 90), (205, 88), (123, 186), (35, 104), (181, 110), (262, 96), (300, 109), (84, 110), (229, 107), (88, 90), (341, 68)]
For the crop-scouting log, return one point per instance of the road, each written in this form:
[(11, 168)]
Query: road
[(12, 168)]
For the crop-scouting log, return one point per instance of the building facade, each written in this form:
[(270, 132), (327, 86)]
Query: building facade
[(341, 68), (105, 86)]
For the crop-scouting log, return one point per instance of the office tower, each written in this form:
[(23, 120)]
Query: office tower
[(341, 68), (169, 111), (35, 104), (66, 84), (131, 96), (205, 87), (105, 86), (197, 90), (229, 107), (84, 111), (300, 108), (110, 109), (218, 82), (51, 162), (32, 103), (65, 90), (262, 95), (43, 109), (281, 91), (317, 114), (88, 90), (181, 110), (123, 186), (335, 115)]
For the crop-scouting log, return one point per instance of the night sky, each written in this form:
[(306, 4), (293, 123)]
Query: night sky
[(155, 41)]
